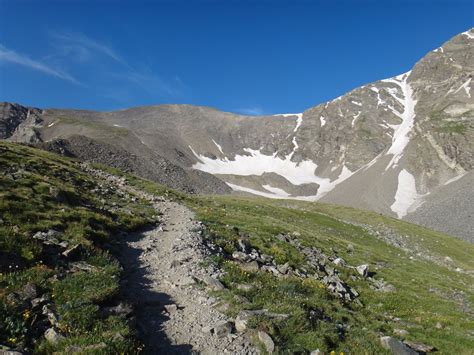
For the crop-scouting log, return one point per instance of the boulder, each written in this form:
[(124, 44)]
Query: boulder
[(250, 267), (339, 262), (238, 255), (242, 320), (52, 336), (396, 346), (266, 341), (222, 329), (363, 270), (420, 347), (213, 283)]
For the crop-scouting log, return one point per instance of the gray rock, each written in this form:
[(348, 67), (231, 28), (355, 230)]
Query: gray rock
[(420, 347), (27, 292), (52, 336), (72, 252), (283, 268), (266, 341), (400, 332), (244, 287), (250, 267), (213, 283), (238, 255), (244, 245), (222, 329), (316, 352), (171, 308), (396, 346), (363, 270), (339, 262), (242, 320)]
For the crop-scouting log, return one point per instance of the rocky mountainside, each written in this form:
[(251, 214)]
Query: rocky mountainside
[(97, 261), (392, 146)]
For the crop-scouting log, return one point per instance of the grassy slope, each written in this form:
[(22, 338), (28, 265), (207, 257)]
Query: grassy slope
[(325, 227), (30, 183), (427, 293)]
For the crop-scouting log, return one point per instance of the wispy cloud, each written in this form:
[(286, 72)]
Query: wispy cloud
[(80, 47), (252, 111), (8, 55), (74, 41)]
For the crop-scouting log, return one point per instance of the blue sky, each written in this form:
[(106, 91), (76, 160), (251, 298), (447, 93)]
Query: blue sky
[(254, 57)]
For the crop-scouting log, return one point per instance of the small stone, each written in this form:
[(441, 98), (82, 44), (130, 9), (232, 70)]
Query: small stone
[(175, 263), (242, 320), (72, 252), (420, 347), (171, 308), (222, 329), (213, 283), (363, 270), (339, 262), (250, 267), (52, 336), (238, 255), (438, 325), (400, 332), (245, 287), (244, 245), (283, 268), (316, 352), (28, 291), (267, 341)]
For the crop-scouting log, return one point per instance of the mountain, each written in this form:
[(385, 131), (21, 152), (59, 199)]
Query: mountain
[(97, 261), (396, 146)]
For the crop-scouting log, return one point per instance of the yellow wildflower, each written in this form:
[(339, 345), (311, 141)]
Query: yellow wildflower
[(26, 315)]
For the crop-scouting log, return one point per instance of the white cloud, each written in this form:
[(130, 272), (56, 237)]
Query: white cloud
[(83, 45), (8, 55)]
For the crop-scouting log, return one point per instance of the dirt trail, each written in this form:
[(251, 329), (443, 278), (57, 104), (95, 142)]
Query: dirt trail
[(175, 314)]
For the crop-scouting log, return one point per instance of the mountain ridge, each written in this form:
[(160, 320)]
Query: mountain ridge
[(385, 146)]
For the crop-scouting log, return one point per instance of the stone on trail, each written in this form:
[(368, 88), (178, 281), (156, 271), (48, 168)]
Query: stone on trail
[(213, 283)]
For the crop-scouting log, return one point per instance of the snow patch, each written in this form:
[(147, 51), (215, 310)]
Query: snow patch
[(356, 103), (456, 178), (117, 125), (256, 163), (468, 34), (51, 124), (355, 118), (218, 146), (406, 197), (276, 190), (401, 132), (322, 119), (466, 87)]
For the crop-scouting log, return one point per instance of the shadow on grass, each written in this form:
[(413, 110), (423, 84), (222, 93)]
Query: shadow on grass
[(137, 289)]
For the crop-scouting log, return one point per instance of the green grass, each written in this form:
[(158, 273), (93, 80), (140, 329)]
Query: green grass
[(325, 227), (453, 127), (427, 292), (41, 191)]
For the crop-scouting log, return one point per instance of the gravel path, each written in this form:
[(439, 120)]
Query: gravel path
[(163, 272)]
